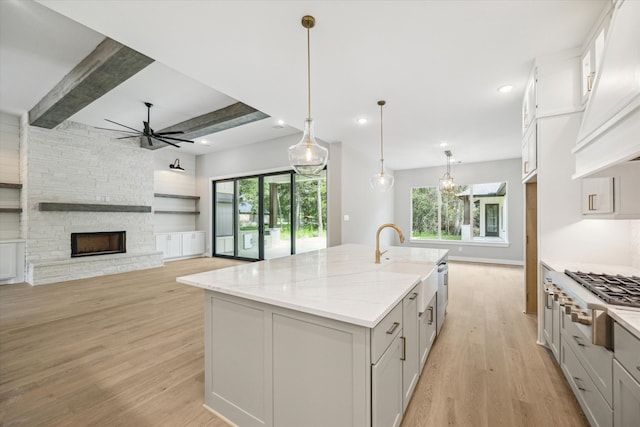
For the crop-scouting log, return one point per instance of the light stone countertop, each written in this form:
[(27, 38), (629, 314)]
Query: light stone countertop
[(341, 283), (627, 318)]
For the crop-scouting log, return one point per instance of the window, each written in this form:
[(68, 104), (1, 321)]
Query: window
[(472, 213)]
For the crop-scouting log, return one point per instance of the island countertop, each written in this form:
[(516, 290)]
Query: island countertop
[(341, 283)]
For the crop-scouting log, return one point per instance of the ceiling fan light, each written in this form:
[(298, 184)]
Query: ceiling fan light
[(307, 157)]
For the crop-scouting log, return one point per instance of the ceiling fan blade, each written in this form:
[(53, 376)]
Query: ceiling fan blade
[(172, 138), (118, 130), (129, 136), (120, 124), (163, 140), (169, 133)]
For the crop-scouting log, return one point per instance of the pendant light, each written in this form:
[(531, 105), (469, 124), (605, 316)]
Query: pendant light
[(381, 181), (446, 182), (307, 157)]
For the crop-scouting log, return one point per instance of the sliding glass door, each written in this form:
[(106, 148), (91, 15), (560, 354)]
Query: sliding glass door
[(269, 216)]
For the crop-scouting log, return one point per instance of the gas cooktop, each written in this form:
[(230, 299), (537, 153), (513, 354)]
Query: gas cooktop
[(612, 289)]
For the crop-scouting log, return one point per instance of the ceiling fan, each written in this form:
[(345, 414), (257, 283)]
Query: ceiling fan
[(148, 132)]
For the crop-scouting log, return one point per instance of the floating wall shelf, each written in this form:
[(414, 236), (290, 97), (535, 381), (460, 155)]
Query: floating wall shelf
[(91, 207), (10, 185), (10, 210), (176, 196)]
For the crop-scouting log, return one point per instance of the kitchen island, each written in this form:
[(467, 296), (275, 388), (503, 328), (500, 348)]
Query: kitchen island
[(321, 338)]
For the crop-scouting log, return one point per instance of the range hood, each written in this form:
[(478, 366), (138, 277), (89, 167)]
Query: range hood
[(610, 129)]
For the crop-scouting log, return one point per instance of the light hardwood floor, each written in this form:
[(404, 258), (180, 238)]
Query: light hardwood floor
[(127, 350)]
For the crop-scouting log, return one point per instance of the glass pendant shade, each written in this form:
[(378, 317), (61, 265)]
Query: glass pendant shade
[(446, 183), (307, 157), (381, 182)]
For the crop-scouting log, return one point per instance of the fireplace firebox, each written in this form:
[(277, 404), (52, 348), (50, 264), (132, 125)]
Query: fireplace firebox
[(98, 243)]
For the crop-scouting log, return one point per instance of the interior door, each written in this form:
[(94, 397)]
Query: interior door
[(492, 219)]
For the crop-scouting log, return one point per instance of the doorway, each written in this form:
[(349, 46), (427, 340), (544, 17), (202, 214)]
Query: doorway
[(269, 216), (492, 219)]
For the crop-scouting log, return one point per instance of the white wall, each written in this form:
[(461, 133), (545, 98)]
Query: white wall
[(564, 233), (367, 209), (348, 174), (472, 173), (168, 181)]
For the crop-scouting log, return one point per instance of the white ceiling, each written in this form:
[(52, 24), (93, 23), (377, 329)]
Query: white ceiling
[(436, 63)]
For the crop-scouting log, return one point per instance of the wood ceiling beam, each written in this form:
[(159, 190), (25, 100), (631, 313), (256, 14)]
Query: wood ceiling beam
[(110, 64), (234, 115)]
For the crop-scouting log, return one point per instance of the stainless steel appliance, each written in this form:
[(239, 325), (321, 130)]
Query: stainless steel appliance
[(585, 298), (443, 294)]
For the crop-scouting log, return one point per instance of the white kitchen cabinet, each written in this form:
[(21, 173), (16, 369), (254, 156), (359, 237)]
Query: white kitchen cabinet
[(427, 330), (597, 196), (193, 243), (626, 378), (529, 102), (386, 387), (626, 398), (411, 354), (611, 122), (591, 63), (530, 154)]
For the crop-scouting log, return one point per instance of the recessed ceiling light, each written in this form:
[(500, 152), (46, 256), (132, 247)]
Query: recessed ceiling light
[(443, 144), (204, 142), (362, 121), (505, 89), (281, 122)]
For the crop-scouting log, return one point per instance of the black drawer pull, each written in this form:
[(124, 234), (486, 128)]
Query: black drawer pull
[(578, 341), (578, 385)]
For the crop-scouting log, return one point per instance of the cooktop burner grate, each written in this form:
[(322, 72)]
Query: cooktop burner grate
[(612, 289)]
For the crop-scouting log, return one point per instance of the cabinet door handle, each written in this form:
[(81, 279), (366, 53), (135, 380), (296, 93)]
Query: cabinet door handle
[(576, 379), (592, 202), (525, 167), (404, 348), (393, 328), (578, 341), (590, 79), (430, 315), (413, 296)]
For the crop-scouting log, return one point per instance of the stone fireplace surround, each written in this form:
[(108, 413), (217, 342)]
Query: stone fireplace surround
[(77, 165)]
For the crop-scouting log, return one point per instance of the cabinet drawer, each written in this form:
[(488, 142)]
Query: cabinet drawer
[(385, 332), (596, 360), (627, 350), (593, 404)]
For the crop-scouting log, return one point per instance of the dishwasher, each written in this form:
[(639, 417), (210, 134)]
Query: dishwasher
[(443, 294)]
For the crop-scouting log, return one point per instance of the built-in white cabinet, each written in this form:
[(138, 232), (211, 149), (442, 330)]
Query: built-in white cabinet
[(193, 243), (12, 259), (411, 356), (611, 122), (613, 194), (626, 378), (427, 330), (590, 63), (529, 102), (181, 244), (597, 196), (530, 153), (386, 387)]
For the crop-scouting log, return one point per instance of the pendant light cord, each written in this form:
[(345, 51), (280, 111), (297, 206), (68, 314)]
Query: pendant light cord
[(308, 74), (381, 103)]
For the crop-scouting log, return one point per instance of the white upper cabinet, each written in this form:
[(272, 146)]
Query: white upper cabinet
[(529, 103), (591, 62), (611, 123)]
